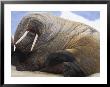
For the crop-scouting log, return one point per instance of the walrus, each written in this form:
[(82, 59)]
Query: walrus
[(52, 44)]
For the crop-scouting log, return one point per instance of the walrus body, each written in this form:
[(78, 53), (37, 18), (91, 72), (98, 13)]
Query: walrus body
[(62, 46)]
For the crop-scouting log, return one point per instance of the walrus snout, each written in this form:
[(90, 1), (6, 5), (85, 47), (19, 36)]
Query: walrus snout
[(33, 29)]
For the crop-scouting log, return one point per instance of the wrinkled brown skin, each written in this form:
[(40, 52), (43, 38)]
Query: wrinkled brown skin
[(66, 47)]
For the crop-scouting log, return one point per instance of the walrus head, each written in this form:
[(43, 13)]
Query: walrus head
[(33, 32)]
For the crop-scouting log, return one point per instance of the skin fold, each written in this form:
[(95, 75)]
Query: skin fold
[(51, 44)]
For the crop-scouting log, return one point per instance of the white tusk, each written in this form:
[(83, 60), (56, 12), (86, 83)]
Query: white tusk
[(24, 35), (33, 44), (14, 47)]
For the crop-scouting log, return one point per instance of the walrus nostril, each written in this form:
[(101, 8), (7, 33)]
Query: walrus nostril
[(33, 44)]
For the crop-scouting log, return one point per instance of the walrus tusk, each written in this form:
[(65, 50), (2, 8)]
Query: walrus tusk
[(24, 35), (14, 47), (33, 44)]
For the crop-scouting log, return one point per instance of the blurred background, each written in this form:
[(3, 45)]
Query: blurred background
[(91, 18)]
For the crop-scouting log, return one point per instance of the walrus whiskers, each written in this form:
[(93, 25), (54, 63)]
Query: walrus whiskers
[(24, 35), (33, 44)]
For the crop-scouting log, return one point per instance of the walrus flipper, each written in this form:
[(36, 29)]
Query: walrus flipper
[(62, 62), (73, 70)]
